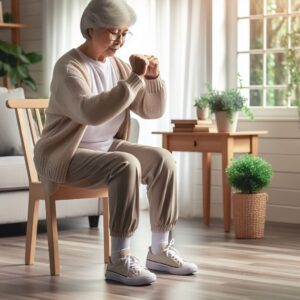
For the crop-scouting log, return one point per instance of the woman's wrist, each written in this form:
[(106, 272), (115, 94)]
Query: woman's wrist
[(151, 77)]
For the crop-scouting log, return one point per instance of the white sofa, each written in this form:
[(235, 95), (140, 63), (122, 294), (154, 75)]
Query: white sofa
[(13, 175)]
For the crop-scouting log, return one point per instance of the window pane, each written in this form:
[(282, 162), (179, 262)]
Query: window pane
[(256, 97), (295, 97), (245, 93), (295, 28), (276, 29), (277, 6), (276, 97), (256, 7), (256, 34), (247, 7), (244, 68), (276, 73), (295, 5), (256, 67)]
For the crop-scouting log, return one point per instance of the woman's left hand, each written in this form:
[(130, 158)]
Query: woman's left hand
[(153, 67)]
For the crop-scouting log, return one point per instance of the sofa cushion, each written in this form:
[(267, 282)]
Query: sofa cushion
[(9, 133), (13, 173)]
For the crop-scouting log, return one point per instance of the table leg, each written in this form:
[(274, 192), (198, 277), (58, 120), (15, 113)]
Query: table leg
[(206, 180), (254, 145), (227, 155)]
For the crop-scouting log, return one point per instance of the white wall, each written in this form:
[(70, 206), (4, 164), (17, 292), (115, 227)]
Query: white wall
[(31, 38)]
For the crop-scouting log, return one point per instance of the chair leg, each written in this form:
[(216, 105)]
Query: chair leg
[(93, 221), (107, 245), (31, 230), (52, 236)]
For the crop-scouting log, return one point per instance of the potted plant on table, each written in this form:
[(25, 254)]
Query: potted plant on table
[(226, 105), (201, 103), (249, 175)]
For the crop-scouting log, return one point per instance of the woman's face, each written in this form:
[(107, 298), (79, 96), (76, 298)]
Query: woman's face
[(106, 41)]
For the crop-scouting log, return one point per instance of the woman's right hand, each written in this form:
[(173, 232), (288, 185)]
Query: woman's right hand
[(139, 64)]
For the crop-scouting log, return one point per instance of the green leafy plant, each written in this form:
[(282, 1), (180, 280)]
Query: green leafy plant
[(229, 101), (7, 17), (14, 63), (202, 101), (249, 174), (292, 63)]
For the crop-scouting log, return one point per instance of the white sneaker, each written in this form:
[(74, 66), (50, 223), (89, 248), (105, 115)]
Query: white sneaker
[(168, 260), (129, 271)]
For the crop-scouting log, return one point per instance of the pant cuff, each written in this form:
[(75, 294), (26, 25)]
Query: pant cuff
[(162, 228), (121, 234)]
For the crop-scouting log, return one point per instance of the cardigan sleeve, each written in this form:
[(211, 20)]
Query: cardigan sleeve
[(150, 102), (73, 99)]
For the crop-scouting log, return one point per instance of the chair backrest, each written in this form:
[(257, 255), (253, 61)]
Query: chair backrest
[(30, 114), (134, 131)]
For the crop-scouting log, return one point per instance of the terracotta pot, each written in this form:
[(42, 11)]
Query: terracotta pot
[(249, 214), (202, 113), (223, 124)]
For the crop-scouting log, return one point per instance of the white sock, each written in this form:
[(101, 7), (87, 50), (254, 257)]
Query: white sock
[(117, 245), (159, 240)]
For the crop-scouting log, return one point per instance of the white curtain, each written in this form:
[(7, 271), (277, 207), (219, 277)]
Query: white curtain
[(61, 32), (176, 32)]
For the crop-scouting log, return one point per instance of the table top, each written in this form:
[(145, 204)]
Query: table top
[(238, 133)]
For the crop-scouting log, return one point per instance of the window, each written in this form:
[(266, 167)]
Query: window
[(262, 26)]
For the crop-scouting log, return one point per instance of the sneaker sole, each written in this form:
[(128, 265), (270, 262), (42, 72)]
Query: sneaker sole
[(129, 280), (155, 266)]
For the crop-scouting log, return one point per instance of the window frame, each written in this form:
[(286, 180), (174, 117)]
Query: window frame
[(280, 113)]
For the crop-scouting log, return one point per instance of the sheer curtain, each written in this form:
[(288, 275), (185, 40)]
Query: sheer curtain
[(61, 32), (176, 32)]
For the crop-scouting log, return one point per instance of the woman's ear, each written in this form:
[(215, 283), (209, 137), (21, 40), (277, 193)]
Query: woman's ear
[(90, 32)]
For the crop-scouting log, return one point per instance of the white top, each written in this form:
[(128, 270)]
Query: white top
[(102, 78)]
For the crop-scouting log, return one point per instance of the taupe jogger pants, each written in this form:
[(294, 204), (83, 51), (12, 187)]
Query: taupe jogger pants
[(122, 169)]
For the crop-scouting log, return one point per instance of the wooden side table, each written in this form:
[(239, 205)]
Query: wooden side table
[(207, 142)]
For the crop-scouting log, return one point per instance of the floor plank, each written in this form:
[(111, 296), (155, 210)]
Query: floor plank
[(232, 269)]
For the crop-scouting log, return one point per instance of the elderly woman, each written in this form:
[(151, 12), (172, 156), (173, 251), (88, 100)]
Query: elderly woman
[(84, 140)]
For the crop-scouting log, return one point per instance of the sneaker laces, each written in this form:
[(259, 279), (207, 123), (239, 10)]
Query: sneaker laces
[(172, 252), (132, 264)]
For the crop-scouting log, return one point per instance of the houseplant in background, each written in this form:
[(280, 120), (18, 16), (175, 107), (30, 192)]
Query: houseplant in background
[(14, 64), (201, 104), (226, 105), (249, 174)]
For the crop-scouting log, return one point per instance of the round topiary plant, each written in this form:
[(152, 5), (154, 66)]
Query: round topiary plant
[(249, 174)]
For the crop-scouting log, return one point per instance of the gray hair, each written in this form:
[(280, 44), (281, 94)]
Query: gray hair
[(106, 14)]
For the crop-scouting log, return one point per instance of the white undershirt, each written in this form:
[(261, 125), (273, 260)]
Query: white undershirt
[(102, 78)]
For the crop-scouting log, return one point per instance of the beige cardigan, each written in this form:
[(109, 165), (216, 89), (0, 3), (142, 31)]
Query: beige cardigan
[(72, 108)]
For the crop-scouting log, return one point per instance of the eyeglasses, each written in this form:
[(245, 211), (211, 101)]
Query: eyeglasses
[(117, 35)]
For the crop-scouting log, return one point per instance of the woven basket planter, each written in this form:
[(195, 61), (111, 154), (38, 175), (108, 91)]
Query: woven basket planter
[(249, 212)]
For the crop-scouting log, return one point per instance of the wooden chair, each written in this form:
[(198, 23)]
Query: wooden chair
[(30, 113)]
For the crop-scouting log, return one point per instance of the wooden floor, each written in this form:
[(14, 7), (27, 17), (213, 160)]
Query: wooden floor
[(228, 268)]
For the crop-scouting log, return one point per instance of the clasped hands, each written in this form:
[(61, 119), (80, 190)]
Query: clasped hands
[(145, 65)]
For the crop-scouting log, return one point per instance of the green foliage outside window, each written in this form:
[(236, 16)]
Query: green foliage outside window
[(292, 65), (274, 74)]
